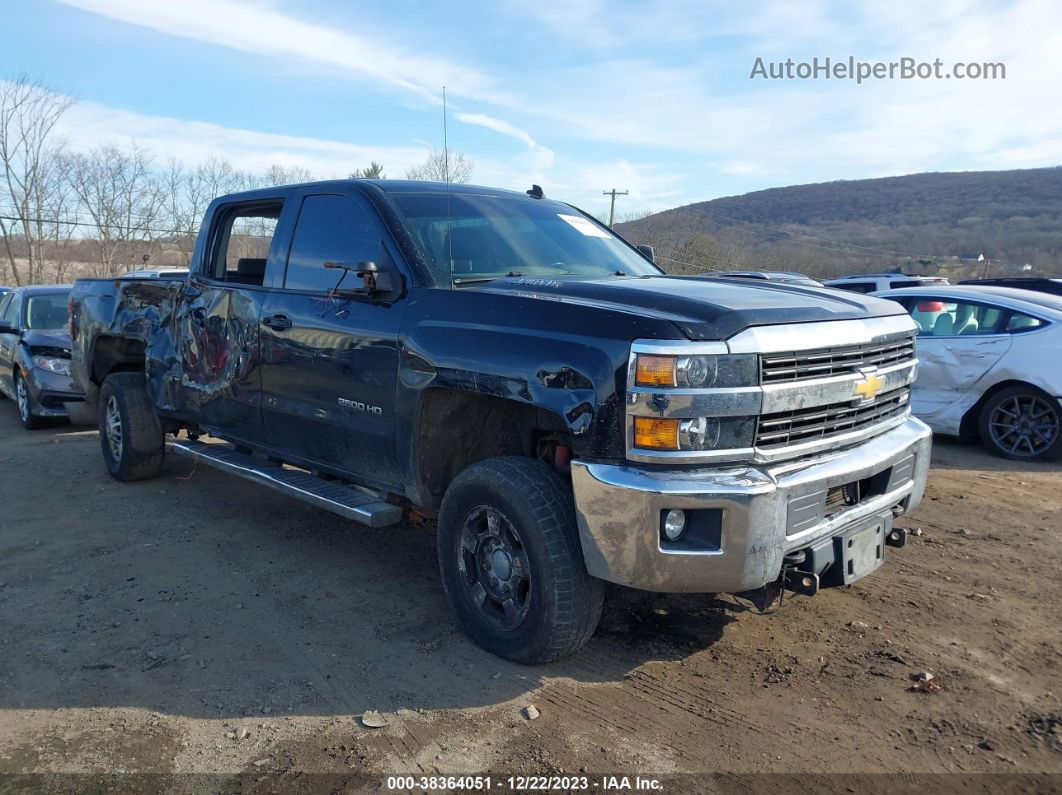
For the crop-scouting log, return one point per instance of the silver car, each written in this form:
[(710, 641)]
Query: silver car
[(990, 363)]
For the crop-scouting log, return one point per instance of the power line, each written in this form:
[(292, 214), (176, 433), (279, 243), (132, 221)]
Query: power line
[(60, 222)]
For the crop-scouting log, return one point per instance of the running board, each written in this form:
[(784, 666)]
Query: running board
[(353, 502)]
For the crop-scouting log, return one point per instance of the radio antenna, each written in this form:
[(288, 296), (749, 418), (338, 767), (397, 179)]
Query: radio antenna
[(446, 177), (446, 145)]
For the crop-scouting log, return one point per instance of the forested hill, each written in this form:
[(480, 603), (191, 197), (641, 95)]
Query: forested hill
[(1013, 217)]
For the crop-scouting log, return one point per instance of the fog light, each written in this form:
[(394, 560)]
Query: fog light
[(674, 524)]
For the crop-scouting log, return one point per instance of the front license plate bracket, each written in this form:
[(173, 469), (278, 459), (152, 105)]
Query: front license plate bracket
[(861, 550)]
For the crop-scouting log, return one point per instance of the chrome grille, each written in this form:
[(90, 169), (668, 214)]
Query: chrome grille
[(824, 362), (802, 425)]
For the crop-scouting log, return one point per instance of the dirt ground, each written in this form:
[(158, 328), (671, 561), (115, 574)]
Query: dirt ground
[(198, 624)]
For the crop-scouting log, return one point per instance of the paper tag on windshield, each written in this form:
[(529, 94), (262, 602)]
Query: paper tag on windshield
[(584, 225)]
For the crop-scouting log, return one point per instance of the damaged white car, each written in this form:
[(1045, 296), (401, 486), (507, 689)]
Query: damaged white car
[(990, 364)]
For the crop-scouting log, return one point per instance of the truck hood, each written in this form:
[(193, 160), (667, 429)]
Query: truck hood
[(703, 308), (50, 338)]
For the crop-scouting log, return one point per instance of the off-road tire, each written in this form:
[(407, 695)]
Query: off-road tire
[(565, 601), (29, 420), (142, 447), (1022, 399)]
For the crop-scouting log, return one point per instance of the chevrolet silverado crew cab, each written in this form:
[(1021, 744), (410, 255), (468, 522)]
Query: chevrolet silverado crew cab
[(503, 363)]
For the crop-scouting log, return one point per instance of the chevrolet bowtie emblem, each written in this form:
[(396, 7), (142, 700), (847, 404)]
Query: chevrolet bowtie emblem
[(869, 386)]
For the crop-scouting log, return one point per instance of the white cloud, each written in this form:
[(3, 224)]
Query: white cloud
[(253, 27), (699, 101), (90, 124), (543, 156), (656, 98)]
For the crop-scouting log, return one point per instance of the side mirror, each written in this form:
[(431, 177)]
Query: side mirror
[(373, 281), (647, 252)]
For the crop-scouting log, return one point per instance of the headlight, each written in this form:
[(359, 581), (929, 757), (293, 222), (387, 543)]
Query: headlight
[(52, 364), (702, 371), (695, 434)]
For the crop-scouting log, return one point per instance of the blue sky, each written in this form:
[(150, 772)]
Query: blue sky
[(578, 96)]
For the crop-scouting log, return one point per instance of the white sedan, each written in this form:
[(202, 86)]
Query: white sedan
[(990, 362)]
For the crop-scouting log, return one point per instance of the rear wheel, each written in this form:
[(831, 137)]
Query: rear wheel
[(29, 420), (131, 438), (511, 563), (1022, 423)]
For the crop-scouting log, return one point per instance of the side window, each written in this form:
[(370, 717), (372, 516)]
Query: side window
[(242, 243), (331, 229), (944, 318), (858, 287), (7, 308), (1019, 322), (5, 304), (901, 283)]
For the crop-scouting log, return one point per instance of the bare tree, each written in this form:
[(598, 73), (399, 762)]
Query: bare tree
[(28, 152), (284, 175), (186, 194), (443, 166), (118, 190), (58, 222)]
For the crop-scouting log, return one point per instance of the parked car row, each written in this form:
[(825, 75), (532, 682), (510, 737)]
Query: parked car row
[(982, 346)]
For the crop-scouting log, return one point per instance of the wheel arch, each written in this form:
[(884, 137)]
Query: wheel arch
[(456, 428), (968, 426), (111, 354)]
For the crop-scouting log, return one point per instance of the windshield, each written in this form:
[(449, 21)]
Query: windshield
[(470, 238), (45, 312)]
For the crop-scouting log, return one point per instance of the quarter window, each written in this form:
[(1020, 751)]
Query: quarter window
[(331, 229), (1019, 322)]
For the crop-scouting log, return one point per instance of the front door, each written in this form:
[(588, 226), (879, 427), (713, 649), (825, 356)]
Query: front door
[(218, 321), (330, 363)]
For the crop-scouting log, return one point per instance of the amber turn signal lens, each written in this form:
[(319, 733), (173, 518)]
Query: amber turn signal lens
[(654, 434), (655, 371)]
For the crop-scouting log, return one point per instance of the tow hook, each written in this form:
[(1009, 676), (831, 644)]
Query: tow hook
[(897, 538), (805, 583), (795, 580)]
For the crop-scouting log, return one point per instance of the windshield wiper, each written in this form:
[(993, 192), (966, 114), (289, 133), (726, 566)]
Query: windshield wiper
[(476, 279)]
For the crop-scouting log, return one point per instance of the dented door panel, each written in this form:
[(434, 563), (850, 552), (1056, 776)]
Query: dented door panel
[(221, 371), (948, 374)]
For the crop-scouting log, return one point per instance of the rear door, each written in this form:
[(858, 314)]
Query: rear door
[(218, 319), (330, 364), (958, 343)]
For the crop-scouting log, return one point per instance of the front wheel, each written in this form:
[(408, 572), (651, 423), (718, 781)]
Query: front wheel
[(131, 438), (29, 420), (1022, 423), (511, 563)]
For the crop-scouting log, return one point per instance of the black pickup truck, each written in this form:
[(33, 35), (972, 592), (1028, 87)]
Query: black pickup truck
[(505, 364)]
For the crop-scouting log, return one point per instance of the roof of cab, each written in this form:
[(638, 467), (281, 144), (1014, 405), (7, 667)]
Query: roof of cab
[(385, 186)]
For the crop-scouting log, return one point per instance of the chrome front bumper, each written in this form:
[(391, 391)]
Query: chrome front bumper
[(763, 512)]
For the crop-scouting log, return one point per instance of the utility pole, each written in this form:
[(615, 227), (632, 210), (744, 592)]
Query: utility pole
[(612, 208)]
